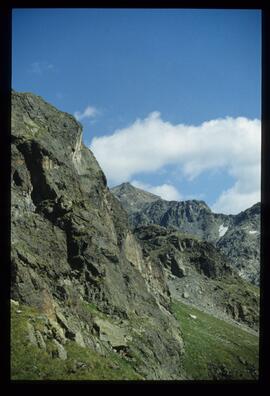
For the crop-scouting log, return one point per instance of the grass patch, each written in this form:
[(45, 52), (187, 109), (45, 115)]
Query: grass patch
[(93, 310), (28, 362), (246, 287), (215, 349)]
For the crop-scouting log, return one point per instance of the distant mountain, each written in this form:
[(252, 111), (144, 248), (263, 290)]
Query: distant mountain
[(238, 236), (241, 243), (132, 198)]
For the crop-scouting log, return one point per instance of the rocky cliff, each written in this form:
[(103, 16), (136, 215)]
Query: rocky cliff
[(72, 249), (238, 236)]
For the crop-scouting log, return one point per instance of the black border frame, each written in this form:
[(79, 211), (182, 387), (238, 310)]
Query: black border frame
[(5, 167)]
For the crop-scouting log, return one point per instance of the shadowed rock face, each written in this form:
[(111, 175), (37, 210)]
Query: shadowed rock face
[(237, 236), (72, 245)]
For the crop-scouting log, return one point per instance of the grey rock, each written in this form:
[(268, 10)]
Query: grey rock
[(242, 360), (61, 353), (56, 331), (31, 334), (79, 339), (111, 333), (78, 366), (40, 340)]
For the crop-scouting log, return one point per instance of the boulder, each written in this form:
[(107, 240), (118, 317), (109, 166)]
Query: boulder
[(60, 352), (40, 340), (111, 333), (31, 334)]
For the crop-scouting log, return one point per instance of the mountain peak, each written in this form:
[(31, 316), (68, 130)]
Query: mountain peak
[(125, 186), (133, 198)]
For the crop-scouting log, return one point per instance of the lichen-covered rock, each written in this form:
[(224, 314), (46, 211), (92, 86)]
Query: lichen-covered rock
[(116, 336), (60, 351)]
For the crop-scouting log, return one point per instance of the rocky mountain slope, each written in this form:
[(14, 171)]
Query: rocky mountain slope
[(72, 247), (200, 275), (241, 243), (238, 236), (91, 297)]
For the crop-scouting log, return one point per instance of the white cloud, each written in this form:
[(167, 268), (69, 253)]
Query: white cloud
[(89, 112), (165, 191), (148, 145), (41, 67), (233, 200)]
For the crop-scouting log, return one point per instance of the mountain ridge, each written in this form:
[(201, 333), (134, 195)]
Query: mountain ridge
[(235, 235)]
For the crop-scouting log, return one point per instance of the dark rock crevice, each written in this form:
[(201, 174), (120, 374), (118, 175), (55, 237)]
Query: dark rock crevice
[(33, 154)]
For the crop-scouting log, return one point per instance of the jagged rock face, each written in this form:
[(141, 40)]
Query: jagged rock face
[(180, 252), (241, 243), (237, 236), (193, 217), (71, 242), (200, 275), (132, 198)]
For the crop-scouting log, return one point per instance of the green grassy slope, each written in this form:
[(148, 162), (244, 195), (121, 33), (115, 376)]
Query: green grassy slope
[(215, 349), (28, 362)]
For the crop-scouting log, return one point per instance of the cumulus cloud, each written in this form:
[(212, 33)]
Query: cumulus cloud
[(148, 145), (165, 191), (233, 201), (89, 112)]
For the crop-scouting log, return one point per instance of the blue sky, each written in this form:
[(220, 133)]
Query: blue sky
[(139, 80)]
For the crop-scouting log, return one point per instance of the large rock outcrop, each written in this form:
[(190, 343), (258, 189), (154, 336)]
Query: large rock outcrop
[(72, 247)]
